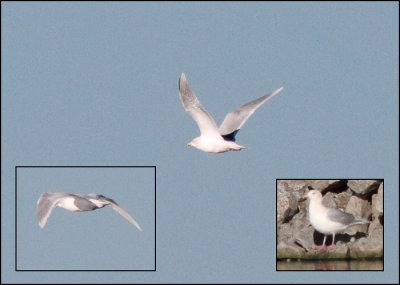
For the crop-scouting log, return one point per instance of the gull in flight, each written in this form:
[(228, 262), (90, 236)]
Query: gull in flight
[(76, 203), (329, 221), (214, 139)]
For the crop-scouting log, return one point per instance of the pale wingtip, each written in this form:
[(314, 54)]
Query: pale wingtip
[(42, 225), (136, 224), (276, 92), (181, 79)]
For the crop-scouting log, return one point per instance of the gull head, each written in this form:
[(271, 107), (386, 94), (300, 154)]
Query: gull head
[(195, 142), (314, 195)]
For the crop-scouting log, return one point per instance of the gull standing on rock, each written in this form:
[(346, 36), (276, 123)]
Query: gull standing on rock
[(214, 139), (329, 221), (76, 203)]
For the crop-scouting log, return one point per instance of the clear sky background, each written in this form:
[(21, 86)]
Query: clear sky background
[(96, 83)]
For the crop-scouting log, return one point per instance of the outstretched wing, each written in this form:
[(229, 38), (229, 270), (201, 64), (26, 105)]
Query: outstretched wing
[(192, 105), (126, 215), (236, 119), (46, 204), (121, 211)]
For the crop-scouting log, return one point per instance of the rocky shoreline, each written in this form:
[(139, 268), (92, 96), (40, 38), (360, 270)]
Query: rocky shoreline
[(297, 239)]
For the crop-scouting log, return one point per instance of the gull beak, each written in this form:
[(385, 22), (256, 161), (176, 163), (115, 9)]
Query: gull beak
[(303, 197)]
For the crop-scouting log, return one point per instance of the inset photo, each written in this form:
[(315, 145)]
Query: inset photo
[(85, 218), (329, 224)]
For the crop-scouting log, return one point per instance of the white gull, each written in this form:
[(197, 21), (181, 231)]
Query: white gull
[(76, 203), (329, 221), (214, 139)]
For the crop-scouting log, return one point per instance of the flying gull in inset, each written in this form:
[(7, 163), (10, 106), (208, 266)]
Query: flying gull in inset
[(212, 138), (76, 203), (329, 221)]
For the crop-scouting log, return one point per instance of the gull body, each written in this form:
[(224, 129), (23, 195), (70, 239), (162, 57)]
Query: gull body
[(76, 203), (329, 221), (212, 138), (215, 144)]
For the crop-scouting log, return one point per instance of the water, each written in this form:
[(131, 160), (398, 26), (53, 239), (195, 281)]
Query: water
[(347, 265)]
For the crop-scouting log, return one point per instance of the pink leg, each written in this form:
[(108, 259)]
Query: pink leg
[(322, 247), (332, 246)]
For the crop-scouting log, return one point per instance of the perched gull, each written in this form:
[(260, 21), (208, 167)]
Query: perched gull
[(76, 203), (328, 220), (212, 138)]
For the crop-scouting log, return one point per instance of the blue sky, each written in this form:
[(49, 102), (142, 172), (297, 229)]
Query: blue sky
[(96, 83)]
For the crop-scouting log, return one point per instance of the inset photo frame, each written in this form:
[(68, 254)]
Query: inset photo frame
[(85, 218), (329, 224)]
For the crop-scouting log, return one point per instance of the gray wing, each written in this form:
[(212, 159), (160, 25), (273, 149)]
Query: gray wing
[(85, 203), (236, 119), (341, 217), (122, 212), (192, 105), (46, 204)]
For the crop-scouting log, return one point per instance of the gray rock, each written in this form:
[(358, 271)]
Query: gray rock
[(287, 250), (359, 208), (375, 225), (328, 200), (296, 233), (369, 247), (287, 205), (363, 187), (321, 184), (377, 202), (342, 198)]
